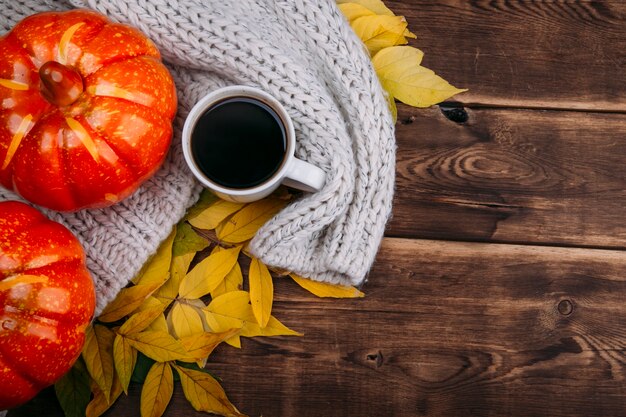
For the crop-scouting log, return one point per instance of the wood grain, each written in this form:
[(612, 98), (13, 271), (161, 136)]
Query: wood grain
[(547, 54), (446, 329), (548, 177)]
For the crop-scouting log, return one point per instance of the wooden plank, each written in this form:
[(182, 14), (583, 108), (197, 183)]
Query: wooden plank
[(548, 177), (446, 329), (549, 54)]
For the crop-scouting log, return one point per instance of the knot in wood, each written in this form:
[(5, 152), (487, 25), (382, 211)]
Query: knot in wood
[(565, 307)]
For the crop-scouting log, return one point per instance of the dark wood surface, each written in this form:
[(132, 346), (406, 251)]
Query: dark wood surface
[(500, 288)]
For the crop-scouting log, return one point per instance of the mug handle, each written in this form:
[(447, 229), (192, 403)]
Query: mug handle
[(304, 176)]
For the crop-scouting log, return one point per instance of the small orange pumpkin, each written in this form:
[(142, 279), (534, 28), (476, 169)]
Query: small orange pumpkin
[(47, 299), (86, 110)]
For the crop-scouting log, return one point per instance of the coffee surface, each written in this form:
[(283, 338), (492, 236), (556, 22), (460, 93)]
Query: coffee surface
[(239, 143)]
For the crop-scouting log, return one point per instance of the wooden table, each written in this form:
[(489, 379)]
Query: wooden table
[(500, 288)]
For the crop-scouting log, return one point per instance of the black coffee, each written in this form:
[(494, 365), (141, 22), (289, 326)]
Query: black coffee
[(239, 143)]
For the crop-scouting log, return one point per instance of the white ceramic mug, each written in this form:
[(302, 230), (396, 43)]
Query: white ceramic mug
[(292, 172)]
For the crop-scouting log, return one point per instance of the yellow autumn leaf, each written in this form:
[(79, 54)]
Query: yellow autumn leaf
[(200, 346), (98, 356), (209, 273), (127, 301), (376, 6), (100, 403), (141, 319), (206, 199), (324, 289), (391, 102), (261, 291), (227, 311), (353, 11), (159, 322), (233, 310), (244, 224), (379, 32), (160, 346), (186, 320), (178, 269), (233, 281), (156, 270), (157, 390), (401, 75), (125, 359), (205, 393), (273, 328), (213, 215)]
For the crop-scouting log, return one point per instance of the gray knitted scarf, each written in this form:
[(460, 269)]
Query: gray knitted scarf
[(305, 54)]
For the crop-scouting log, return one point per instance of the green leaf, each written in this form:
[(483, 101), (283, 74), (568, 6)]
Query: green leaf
[(187, 241), (73, 391), (142, 366)]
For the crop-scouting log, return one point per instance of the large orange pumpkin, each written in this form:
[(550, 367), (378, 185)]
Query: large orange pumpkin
[(47, 300), (86, 110)]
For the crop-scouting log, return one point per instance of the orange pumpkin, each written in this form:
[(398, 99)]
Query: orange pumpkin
[(86, 110), (47, 300)]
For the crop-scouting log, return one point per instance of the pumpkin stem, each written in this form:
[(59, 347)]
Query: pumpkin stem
[(60, 84)]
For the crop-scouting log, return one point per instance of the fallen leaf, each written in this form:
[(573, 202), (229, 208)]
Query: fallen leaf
[(156, 270), (200, 346), (205, 393), (187, 240), (376, 6), (72, 390), (273, 328), (391, 102), (401, 75), (207, 198), (324, 289), (353, 11), (379, 32), (160, 346), (233, 281), (157, 390), (142, 368), (178, 269), (244, 224), (209, 273), (100, 403), (125, 359), (127, 301), (152, 303), (186, 320), (213, 215), (228, 311), (141, 319), (98, 356), (261, 291)]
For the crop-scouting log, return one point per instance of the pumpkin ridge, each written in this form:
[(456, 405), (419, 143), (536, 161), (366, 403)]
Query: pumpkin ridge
[(21, 367), (21, 371), (88, 82), (64, 164)]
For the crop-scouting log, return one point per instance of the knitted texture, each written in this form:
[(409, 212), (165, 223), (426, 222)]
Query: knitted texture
[(305, 54)]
